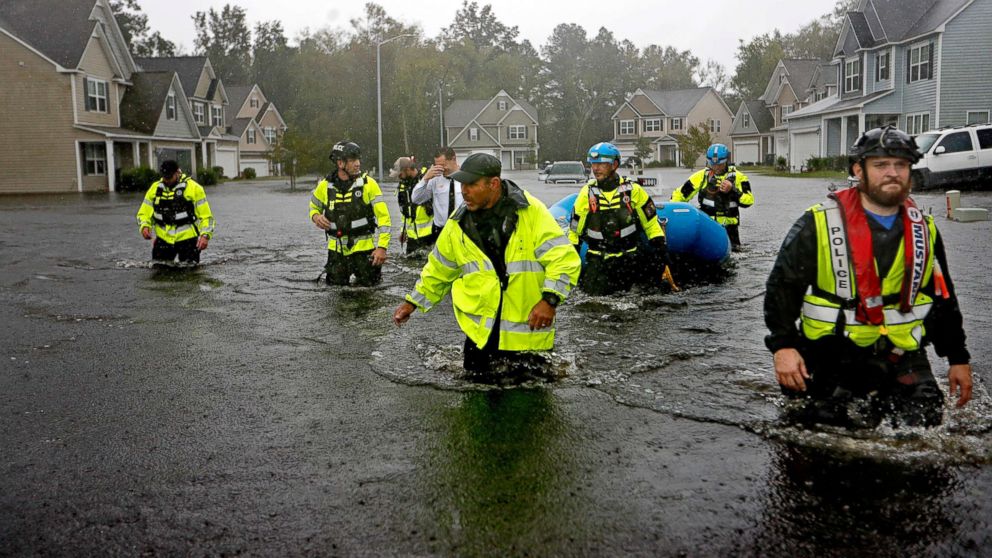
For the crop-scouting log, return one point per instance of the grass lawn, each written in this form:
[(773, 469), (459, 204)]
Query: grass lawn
[(771, 171)]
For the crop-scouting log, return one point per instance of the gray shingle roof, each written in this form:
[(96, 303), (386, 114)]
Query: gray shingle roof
[(236, 95), (901, 19), (461, 112), (59, 29), (861, 30), (189, 68), (677, 102), (261, 111), (239, 125), (760, 115), (800, 74), (142, 104)]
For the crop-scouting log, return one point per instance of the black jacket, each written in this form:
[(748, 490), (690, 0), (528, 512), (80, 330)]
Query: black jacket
[(795, 270)]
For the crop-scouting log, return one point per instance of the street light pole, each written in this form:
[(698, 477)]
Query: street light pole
[(440, 116), (378, 91)]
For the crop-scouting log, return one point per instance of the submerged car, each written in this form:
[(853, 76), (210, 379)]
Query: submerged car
[(566, 172), (954, 157)]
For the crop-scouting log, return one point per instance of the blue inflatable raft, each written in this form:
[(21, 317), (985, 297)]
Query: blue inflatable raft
[(689, 231)]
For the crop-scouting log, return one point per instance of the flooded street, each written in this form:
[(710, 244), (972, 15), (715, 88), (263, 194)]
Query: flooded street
[(245, 408)]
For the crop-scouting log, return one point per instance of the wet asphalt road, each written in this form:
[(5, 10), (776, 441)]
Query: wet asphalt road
[(243, 408)]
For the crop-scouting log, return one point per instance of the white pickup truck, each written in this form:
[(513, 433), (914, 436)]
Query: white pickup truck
[(954, 157)]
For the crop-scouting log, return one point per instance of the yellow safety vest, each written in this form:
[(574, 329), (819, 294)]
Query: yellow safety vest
[(176, 219), (538, 259), (834, 299), (365, 225), (729, 215), (611, 207)]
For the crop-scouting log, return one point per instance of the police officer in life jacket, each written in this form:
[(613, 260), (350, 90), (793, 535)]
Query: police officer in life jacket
[(721, 189), (610, 214), (348, 206), (865, 276), (418, 219), (176, 209)]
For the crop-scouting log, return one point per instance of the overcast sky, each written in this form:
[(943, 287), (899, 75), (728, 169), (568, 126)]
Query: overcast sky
[(709, 29)]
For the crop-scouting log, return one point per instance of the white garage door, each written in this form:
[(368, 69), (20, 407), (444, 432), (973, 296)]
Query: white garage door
[(746, 152), (261, 166), (228, 158), (802, 146)]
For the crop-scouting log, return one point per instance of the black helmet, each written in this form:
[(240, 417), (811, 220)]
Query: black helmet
[(344, 150), (884, 142)]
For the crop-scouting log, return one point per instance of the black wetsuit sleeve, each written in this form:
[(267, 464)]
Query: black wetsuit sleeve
[(944, 324), (794, 271)]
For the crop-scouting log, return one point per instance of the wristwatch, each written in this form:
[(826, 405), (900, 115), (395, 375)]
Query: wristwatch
[(552, 299)]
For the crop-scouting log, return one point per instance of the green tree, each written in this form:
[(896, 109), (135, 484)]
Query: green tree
[(665, 68), (225, 38), (134, 26), (693, 144), (643, 148)]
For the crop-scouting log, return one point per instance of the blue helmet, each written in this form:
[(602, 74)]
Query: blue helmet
[(603, 152), (717, 154)]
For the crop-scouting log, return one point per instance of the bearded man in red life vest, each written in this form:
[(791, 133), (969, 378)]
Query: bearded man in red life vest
[(859, 289)]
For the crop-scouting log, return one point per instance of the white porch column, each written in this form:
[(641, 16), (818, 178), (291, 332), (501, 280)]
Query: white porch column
[(203, 157), (111, 164), (151, 163), (843, 136), (136, 153)]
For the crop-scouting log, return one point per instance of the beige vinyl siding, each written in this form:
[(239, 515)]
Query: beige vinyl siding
[(36, 147), (492, 113), (271, 120), (517, 118), (245, 110), (96, 64), (203, 84), (643, 105), (255, 148), (710, 106)]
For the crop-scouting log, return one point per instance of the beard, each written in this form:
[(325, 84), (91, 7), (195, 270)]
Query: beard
[(884, 194)]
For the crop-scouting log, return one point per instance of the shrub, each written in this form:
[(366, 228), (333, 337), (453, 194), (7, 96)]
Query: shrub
[(781, 163), (248, 173), (206, 177), (219, 171), (660, 164), (838, 163), (138, 178)]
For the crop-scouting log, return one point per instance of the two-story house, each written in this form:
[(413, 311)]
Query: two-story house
[(258, 125), (660, 116), (65, 74), (502, 126), (209, 102), (759, 132), (909, 63), (156, 106)]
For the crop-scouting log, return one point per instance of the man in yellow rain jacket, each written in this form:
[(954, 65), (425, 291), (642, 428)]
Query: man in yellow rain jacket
[(722, 191), (348, 206), (176, 209), (507, 265)]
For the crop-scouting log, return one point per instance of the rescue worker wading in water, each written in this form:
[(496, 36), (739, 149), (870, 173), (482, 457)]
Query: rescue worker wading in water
[(418, 219), (865, 275), (722, 191), (609, 215), (176, 206), (348, 206)]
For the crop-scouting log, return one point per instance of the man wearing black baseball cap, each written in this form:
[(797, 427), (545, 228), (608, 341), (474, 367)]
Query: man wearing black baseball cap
[(176, 208), (508, 266)]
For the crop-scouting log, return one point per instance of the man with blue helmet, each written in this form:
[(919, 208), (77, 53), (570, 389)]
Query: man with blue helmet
[(722, 190), (609, 215)]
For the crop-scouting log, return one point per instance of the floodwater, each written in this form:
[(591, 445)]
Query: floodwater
[(244, 407)]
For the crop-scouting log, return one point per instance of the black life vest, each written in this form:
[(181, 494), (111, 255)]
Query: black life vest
[(171, 206), (404, 194), (611, 227), (715, 203), (347, 211)]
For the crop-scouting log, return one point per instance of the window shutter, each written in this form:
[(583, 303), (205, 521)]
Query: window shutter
[(86, 94), (877, 72), (930, 70), (908, 61)]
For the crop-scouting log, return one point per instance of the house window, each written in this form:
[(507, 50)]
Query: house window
[(917, 123), (627, 128), (501, 105), (786, 110), (781, 79), (253, 103), (676, 124), (978, 116), (746, 120), (198, 113), (473, 134), (882, 66), (96, 95), (652, 125), (714, 126), (170, 106), (216, 116), (251, 136), (270, 135), (95, 156), (919, 63), (518, 132), (820, 95), (852, 75)]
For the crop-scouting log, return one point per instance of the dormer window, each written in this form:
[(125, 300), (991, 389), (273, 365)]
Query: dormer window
[(852, 75), (253, 102), (216, 116), (746, 120), (170, 106), (882, 66), (473, 134), (781, 79), (501, 105), (198, 113)]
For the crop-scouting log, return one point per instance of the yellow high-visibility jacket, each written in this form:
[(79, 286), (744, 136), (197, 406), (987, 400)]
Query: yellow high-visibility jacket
[(628, 220), (359, 216), (178, 213), (722, 208), (538, 259)]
